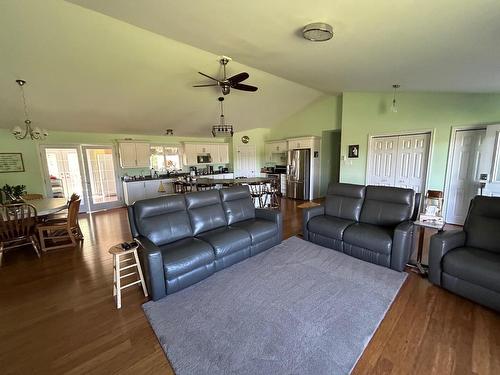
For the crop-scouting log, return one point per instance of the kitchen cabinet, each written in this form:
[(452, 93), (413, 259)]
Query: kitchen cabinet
[(134, 154), (306, 142), (218, 151), (273, 149), (144, 189)]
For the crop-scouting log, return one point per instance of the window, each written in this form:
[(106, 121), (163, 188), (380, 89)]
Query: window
[(165, 158)]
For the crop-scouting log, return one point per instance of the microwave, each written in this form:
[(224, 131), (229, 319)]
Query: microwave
[(203, 159)]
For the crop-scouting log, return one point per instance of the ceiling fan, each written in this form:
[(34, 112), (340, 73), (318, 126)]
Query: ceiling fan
[(226, 84)]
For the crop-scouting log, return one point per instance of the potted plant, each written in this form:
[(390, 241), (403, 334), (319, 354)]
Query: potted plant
[(13, 193)]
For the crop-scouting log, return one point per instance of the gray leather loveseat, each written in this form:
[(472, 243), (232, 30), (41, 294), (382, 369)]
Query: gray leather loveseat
[(467, 262), (186, 238), (372, 223)]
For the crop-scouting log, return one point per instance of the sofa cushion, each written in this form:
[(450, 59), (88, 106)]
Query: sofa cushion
[(259, 230), (387, 206), (162, 220), (184, 256), (483, 223), (226, 240), (370, 237), (205, 211), (329, 226), (237, 204), (480, 267), (344, 200)]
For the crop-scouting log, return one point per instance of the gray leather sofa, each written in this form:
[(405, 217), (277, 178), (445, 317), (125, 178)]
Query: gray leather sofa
[(467, 262), (372, 223), (186, 238)]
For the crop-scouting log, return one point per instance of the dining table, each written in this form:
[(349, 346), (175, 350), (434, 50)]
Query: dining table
[(48, 206)]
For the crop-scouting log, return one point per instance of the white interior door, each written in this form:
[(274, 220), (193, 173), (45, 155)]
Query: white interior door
[(246, 165), (411, 164), (464, 176), (383, 156), (102, 178)]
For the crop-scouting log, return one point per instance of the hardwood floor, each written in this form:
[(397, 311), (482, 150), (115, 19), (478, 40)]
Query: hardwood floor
[(57, 315)]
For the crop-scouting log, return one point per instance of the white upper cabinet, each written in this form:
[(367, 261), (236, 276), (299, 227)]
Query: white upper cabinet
[(219, 152), (306, 142), (272, 148), (134, 155)]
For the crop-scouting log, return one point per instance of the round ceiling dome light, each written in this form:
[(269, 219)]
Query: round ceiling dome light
[(318, 32)]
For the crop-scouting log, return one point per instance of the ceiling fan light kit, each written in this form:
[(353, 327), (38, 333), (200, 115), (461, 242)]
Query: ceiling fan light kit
[(317, 32), (226, 84)]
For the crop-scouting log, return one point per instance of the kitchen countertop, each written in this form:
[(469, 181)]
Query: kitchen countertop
[(172, 177)]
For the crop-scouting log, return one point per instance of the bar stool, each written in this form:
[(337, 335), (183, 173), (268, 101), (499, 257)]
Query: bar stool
[(118, 252)]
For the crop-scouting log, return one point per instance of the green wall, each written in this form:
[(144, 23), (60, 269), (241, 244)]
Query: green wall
[(365, 114), (32, 177), (318, 118)]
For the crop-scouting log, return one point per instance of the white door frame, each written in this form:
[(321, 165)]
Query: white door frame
[(398, 134), (254, 147), (449, 163), (119, 187), (79, 147), (45, 170)]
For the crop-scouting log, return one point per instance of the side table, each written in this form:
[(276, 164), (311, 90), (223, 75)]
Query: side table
[(419, 266), (118, 253)]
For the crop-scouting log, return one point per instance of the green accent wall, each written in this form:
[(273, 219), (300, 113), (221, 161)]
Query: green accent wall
[(319, 119), (365, 114), (33, 177)]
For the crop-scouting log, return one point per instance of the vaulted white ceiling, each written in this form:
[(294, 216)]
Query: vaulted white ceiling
[(89, 72), (429, 45), (128, 66)]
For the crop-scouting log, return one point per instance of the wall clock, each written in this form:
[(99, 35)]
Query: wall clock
[(245, 139)]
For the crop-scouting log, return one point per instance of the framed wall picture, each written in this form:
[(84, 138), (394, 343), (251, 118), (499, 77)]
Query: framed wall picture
[(353, 151), (11, 162)]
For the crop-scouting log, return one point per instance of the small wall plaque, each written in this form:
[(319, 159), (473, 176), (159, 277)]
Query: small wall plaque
[(11, 162), (353, 151)]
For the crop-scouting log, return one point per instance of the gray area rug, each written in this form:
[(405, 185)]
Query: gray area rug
[(298, 308)]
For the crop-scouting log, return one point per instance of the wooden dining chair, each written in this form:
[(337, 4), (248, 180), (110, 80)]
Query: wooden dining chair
[(17, 227), (258, 193), (52, 232), (205, 186), (31, 197)]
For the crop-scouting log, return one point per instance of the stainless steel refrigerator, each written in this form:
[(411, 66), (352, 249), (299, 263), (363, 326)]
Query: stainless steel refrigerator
[(298, 174)]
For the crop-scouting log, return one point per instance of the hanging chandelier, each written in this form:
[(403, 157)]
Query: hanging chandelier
[(223, 129), (32, 132)]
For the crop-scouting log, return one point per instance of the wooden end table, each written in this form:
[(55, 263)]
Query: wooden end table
[(419, 266)]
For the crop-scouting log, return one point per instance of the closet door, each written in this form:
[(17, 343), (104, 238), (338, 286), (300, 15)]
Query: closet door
[(383, 156), (411, 165)]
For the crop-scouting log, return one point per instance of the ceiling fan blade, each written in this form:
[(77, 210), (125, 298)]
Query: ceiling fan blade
[(207, 85), (212, 78), (240, 77), (241, 86)]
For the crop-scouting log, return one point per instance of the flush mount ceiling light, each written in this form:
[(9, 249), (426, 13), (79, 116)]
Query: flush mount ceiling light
[(318, 32)]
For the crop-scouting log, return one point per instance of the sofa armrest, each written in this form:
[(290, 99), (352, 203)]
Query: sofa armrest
[(152, 264), (272, 215), (308, 214), (401, 245), (440, 244)]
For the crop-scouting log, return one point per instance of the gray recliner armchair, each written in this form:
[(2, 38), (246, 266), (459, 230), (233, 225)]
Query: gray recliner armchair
[(467, 262)]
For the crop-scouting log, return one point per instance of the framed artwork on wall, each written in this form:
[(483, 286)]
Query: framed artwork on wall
[(353, 151), (11, 162)]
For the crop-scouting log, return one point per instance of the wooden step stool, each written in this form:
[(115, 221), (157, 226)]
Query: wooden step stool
[(118, 253)]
